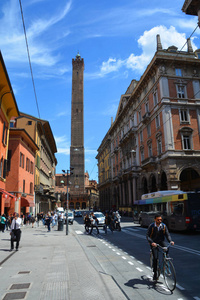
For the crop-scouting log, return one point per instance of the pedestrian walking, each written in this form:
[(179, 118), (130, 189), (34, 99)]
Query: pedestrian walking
[(87, 223), (32, 220), (94, 223), (3, 223), (15, 231), (48, 221), (108, 223)]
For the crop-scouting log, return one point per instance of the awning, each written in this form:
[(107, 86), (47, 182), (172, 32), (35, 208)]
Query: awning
[(27, 202), (6, 194)]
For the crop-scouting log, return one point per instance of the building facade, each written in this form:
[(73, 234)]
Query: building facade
[(21, 170), (45, 161), (155, 138), (8, 109)]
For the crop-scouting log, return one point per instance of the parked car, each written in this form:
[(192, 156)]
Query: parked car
[(100, 217), (78, 214)]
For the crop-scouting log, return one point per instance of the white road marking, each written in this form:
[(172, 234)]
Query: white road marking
[(140, 262), (180, 287), (132, 257), (118, 253), (130, 263), (78, 232), (148, 268), (140, 270), (113, 250), (123, 257)]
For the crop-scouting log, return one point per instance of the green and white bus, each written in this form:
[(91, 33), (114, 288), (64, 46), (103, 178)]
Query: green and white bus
[(180, 210)]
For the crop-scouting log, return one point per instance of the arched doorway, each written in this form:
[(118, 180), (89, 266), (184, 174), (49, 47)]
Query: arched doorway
[(84, 205), (144, 186), (71, 205), (77, 205), (163, 185), (189, 180), (153, 186)]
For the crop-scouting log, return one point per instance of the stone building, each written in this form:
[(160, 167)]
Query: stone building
[(154, 140)]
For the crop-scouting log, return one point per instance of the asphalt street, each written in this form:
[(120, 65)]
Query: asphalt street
[(53, 265)]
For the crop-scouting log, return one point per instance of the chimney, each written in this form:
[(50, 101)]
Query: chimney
[(189, 46), (159, 45)]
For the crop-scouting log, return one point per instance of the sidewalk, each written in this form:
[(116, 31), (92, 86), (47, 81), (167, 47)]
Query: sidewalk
[(51, 265)]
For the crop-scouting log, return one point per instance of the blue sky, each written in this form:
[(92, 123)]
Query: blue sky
[(117, 39)]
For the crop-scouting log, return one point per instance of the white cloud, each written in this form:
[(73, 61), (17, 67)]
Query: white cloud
[(63, 145), (147, 44), (12, 40)]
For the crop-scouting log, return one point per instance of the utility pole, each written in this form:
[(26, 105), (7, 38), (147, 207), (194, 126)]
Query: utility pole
[(68, 174)]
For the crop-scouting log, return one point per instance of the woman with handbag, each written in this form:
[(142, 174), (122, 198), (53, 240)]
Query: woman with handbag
[(15, 231)]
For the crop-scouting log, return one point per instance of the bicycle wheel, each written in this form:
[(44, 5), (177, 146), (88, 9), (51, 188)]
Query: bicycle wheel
[(169, 275)]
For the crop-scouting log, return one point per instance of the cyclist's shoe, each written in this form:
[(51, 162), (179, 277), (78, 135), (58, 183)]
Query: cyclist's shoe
[(154, 277)]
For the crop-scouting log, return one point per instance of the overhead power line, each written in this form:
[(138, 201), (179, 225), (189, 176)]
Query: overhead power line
[(29, 58)]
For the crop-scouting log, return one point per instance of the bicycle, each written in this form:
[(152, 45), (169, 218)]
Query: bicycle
[(165, 267)]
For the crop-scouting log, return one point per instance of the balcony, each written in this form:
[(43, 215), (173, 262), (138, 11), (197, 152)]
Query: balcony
[(150, 161), (131, 131), (146, 117)]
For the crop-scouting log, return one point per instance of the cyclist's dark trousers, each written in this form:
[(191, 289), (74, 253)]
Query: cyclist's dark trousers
[(155, 252)]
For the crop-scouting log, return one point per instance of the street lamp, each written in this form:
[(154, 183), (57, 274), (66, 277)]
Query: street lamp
[(68, 173)]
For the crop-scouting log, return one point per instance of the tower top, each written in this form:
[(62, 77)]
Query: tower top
[(78, 56)]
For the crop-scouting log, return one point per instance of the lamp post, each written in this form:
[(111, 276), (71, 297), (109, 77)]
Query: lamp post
[(68, 173)]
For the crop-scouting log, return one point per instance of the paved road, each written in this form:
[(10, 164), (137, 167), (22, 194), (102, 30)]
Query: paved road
[(125, 256)]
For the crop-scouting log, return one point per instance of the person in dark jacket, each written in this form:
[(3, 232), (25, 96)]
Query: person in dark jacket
[(156, 234), (87, 222)]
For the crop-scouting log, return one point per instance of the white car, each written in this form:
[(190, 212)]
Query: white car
[(100, 218)]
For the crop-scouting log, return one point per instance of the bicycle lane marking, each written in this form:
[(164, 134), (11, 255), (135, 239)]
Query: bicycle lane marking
[(182, 248)]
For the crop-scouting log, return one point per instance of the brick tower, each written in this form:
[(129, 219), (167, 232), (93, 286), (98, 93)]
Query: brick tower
[(77, 153)]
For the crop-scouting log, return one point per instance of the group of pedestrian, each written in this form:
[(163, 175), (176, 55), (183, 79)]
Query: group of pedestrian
[(112, 221)]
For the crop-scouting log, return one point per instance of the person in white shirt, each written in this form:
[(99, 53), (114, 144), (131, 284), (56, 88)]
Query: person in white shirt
[(15, 231)]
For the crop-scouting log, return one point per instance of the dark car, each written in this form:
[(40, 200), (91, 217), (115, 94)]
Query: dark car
[(78, 214)]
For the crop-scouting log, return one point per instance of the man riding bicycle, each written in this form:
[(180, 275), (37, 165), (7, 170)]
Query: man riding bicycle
[(156, 234)]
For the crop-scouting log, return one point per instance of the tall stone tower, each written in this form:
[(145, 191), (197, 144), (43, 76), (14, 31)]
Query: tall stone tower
[(77, 153)]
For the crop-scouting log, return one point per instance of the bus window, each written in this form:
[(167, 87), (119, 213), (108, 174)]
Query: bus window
[(177, 209)]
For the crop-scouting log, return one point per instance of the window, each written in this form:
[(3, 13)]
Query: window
[(141, 136), (178, 72), (150, 150), (139, 116), (155, 98), (157, 121), (31, 167), (142, 154), (159, 146), (149, 130), (23, 186), (9, 160), (147, 107), (186, 142), (186, 136), (21, 160), (1, 167), (181, 91), (184, 115), (5, 132), (29, 122), (31, 188)]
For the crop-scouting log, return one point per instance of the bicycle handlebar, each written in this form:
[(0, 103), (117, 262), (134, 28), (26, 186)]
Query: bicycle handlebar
[(164, 248)]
